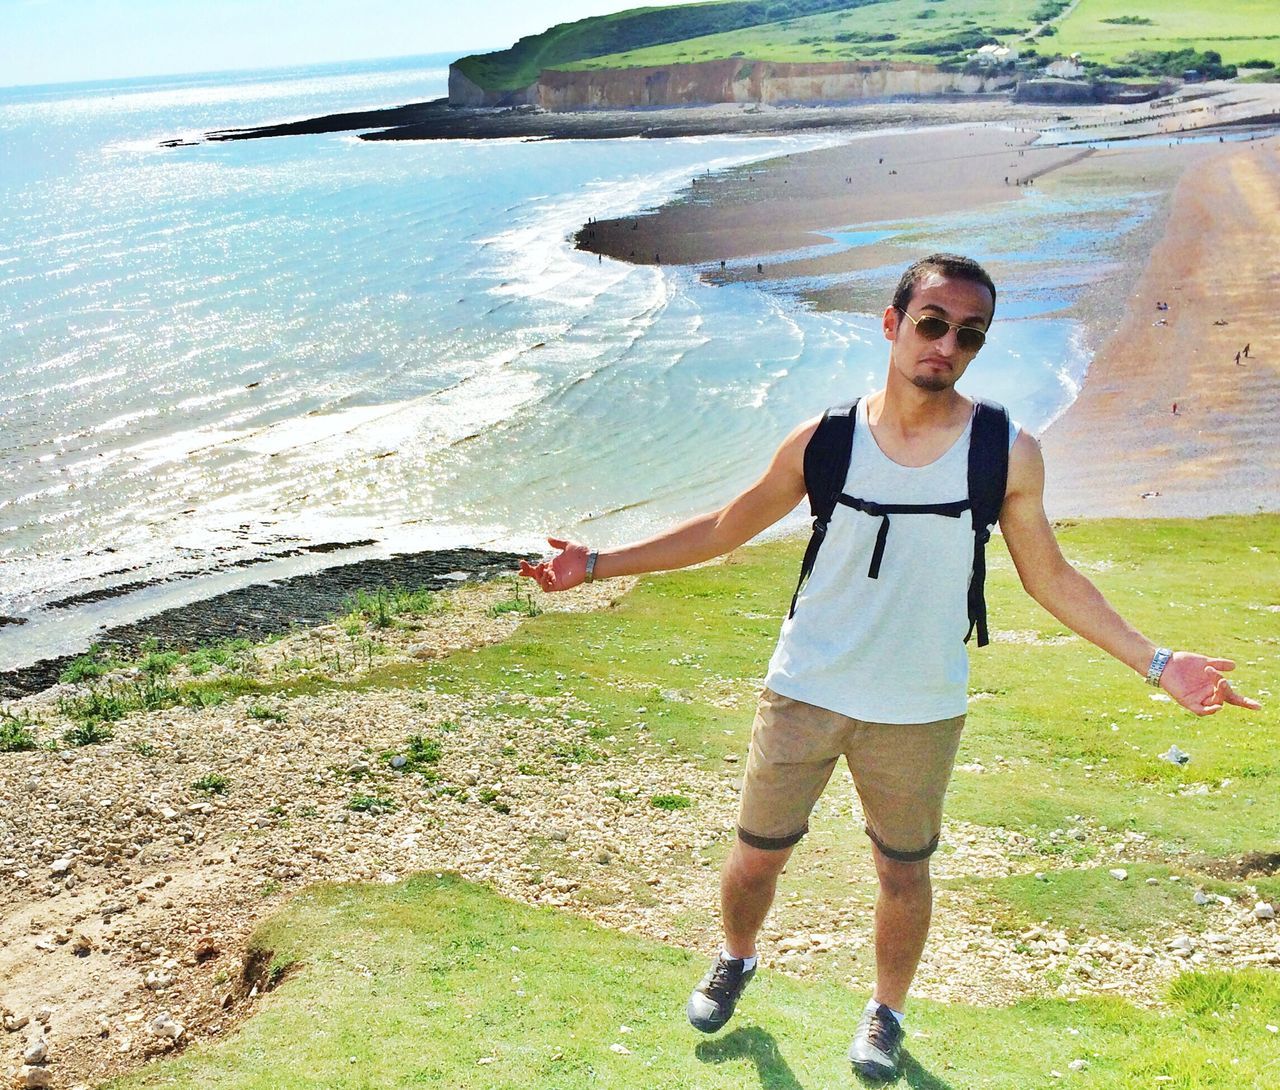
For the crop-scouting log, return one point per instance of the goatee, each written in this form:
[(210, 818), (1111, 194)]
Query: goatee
[(935, 383)]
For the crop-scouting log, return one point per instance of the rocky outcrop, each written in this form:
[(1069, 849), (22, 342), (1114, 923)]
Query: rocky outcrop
[(730, 80), (1078, 91), (1063, 91), (463, 92)]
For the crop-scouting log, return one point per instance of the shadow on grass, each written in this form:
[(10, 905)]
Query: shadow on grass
[(757, 1046), (916, 1077), (775, 1073)]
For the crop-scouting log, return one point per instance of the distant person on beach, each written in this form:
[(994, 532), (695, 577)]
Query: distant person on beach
[(1246, 351), (1237, 359), (871, 662)]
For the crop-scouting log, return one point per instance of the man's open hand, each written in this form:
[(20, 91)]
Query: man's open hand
[(566, 569), (1197, 684)]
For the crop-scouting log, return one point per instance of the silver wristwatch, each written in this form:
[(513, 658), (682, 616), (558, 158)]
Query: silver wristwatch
[(1158, 662), (592, 557)]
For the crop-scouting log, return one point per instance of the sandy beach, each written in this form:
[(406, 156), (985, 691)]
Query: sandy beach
[(1120, 449)]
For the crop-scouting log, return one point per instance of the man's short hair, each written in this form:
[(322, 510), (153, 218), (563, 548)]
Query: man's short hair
[(952, 266)]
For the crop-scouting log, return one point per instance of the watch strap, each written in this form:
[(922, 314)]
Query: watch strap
[(1158, 662)]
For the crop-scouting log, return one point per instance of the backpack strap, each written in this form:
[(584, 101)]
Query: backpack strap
[(826, 464), (882, 511), (988, 479)]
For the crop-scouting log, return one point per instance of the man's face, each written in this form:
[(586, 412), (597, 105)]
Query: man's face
[(936, 365)]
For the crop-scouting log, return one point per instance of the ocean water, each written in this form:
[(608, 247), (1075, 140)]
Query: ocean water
[(217, 354)]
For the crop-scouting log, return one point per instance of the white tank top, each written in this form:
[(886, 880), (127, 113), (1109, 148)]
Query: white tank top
[(889, 649)]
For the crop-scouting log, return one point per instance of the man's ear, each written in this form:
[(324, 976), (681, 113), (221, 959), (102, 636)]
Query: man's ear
[(890, 323)]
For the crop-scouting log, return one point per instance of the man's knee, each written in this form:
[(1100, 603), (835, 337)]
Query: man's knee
[(752, 864), (902, 879)]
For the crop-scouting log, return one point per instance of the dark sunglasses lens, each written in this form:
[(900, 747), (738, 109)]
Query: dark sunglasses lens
[(970, 340), (931, 329)]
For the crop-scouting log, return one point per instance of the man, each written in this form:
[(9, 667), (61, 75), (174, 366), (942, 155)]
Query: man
[(872, 664)]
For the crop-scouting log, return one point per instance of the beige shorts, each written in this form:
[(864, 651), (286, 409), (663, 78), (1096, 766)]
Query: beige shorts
[(900, 770)]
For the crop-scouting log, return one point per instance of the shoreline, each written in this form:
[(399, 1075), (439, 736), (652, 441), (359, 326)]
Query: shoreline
[(1231, 105), (437, 120), (260, 610)]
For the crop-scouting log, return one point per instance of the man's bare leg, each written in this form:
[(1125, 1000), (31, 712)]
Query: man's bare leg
[(748, 882), (904, 907)]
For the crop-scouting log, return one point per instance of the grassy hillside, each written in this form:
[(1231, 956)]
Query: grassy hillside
[(898, 30), (633, 29), (1128, 37), (1240, 30), (438, 982)]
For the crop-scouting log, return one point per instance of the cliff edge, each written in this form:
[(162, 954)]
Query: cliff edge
[(732, 80)]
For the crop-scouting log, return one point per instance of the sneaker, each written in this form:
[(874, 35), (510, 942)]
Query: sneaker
[(877, 1044), (712, 1002)]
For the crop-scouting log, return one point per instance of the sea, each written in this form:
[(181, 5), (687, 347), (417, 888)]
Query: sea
[(221, 362)]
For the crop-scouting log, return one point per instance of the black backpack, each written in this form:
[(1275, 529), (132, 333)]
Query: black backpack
[(826, 464)]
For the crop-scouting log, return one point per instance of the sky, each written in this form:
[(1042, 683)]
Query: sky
[(68, 41)]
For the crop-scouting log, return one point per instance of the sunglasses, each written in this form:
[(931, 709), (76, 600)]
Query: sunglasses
[(931, 328)]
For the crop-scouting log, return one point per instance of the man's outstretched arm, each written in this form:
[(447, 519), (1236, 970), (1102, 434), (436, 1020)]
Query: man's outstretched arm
[(700, 538), (1194, 681)]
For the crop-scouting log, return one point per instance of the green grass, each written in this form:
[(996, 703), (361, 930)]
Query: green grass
[(920, 31), (420, 754), (1237, 29), (419, 981), (371, 804), (17, 733), (521, 601), (94, 663), (1093, 901), (387, 606), (212, 783), (632, 29), (889, 30), (118, 699), (438, 982)]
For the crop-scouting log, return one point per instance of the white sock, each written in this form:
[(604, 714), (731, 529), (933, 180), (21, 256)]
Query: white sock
[(873, 1004), (747, 963)]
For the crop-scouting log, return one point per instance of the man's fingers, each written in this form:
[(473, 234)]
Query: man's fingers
[(1221, 664), (557, 543), (1232, 697)]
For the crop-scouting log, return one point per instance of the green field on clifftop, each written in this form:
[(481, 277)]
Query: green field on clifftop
[(919, 31), (1240, 30), (636, 28), (923, 31)]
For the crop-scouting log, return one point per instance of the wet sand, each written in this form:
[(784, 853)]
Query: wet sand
[(786, 203)]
